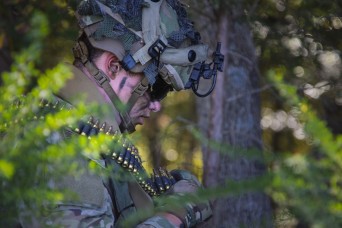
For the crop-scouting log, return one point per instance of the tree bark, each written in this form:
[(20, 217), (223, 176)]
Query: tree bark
[(231, 115)]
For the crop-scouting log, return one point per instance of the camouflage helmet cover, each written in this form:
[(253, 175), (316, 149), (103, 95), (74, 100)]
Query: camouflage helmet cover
[(151, 36)]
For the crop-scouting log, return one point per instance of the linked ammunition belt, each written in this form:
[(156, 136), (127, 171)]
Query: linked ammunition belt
[(128, 157), (45, 108)]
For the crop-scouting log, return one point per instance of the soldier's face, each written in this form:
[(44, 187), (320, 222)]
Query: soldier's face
[(124, 85)]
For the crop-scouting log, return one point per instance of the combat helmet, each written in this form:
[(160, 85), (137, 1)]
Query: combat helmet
[(150, 36)]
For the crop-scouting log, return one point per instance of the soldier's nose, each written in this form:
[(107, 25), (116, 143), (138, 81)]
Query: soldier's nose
[(155, 106)]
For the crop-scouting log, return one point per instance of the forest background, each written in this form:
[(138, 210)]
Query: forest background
[(266, 143)]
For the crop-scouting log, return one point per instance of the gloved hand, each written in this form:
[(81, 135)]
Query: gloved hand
[(192, 214)]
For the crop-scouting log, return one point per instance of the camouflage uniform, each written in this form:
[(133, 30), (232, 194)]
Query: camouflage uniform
[(93, 206)]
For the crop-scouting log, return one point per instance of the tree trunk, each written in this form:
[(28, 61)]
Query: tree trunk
[(232, 116)]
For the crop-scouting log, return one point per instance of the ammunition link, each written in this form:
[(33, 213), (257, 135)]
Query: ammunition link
[(128, 157)]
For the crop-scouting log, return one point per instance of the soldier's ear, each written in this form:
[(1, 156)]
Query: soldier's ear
[(114, 68)]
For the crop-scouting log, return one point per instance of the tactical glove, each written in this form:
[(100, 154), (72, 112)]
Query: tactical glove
[(192, 214)]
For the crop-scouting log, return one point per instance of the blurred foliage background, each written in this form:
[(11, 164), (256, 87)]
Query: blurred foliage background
[(298, 45)]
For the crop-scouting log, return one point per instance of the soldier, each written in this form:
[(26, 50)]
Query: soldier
[(128, 56)]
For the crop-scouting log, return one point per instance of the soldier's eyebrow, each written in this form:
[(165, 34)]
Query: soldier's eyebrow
[(122, 83)]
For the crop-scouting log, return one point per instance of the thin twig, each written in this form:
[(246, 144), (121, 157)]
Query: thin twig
[(251, 92), (237, 54)]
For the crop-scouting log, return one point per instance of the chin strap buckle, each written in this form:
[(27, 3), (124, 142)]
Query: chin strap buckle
[(100, 78), (140, 89)]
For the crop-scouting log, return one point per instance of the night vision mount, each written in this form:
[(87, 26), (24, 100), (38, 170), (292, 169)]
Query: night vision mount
[(204, 70)]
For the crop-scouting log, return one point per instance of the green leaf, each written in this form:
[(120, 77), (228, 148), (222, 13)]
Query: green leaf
[(6, 169)]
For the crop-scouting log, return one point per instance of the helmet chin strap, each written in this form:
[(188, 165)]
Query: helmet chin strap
[(137, 92), (81, 52)]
